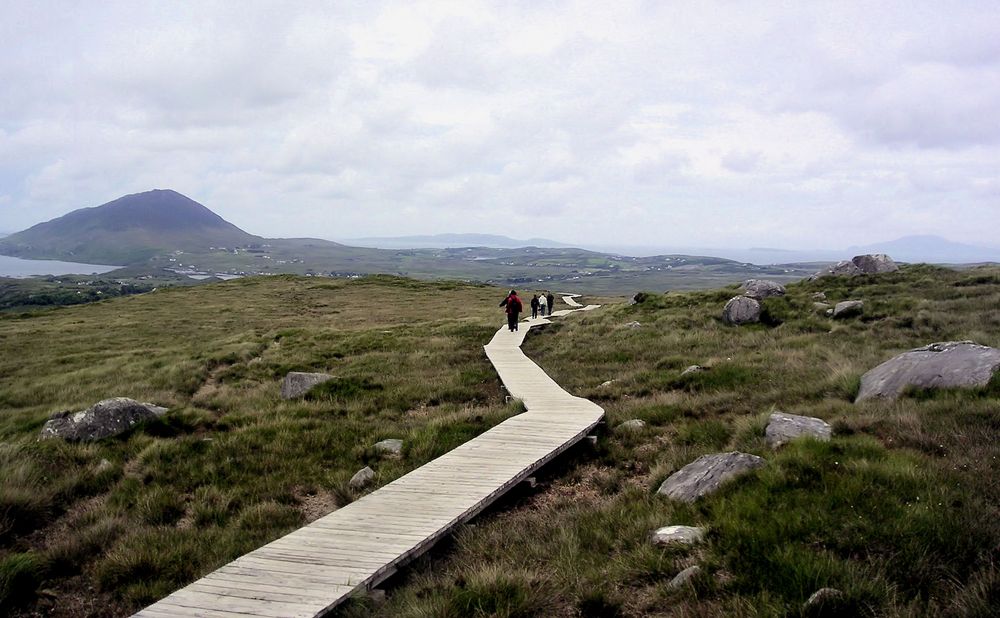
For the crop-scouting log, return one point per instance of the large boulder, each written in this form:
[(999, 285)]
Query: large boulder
[(297, 383), (848, 309), (102, 420), (706, 474), (783, 428), (868, 264), (946, 364), (762, 288), (741, 310)]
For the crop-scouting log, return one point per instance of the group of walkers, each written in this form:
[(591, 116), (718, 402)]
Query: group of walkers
[(541, 304)]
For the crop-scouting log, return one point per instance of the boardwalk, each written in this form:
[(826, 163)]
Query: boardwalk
[(312, 570)]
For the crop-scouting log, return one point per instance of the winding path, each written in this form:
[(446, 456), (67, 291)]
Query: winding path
[(310, 571)]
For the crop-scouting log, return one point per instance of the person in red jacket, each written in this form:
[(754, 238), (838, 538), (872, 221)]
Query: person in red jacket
[(514, 308)]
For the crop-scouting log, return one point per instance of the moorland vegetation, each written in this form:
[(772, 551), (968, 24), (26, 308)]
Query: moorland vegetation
[(899, 510)]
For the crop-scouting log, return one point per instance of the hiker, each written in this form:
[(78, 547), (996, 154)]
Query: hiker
[(542, 305), (534, 306), (552, 302), (514, 307)]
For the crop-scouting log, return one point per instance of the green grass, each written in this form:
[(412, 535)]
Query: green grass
[(899, 510)]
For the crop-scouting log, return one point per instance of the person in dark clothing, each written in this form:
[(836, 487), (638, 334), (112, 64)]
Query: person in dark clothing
[(513, 307), (552, 302), (534, 306)]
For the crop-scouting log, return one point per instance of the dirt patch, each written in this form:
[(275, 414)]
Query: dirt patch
[(315, 503)]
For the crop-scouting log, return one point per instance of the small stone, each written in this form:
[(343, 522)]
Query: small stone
[(298, 383), (783, 428), (684, 578), (362, 478), (820, 296), (102, 465), (848, 308), (634, 424), (694, 369), (706, 474), (389, 448), (823, 599), (633, 325), (741, 310), (678, 535), (606, 384)]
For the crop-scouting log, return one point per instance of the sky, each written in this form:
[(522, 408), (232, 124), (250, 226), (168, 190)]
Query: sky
[(746, 124)]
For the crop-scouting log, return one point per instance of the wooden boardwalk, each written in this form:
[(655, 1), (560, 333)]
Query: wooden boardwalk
[(350, 551)]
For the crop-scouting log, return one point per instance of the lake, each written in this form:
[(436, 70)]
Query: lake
[(18, 268)]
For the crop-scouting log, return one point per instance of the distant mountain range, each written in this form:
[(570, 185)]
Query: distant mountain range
[(452, 241), (128, 230)]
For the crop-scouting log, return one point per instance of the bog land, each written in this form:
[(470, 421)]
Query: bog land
[(899, 510)]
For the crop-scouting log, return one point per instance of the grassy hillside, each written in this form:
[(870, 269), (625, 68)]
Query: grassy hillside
[(99, 529), (900, 510)]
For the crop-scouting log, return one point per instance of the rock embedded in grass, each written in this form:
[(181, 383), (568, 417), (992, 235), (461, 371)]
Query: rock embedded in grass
[(783, 428), (634, 424), (706, 474), (848, 309), (821, 306), (389, 448), (633, 325), (638, 298), (104, 419), (694, 369), (684, 578), (762, 288), (678, 535), (298, 383), (948, 364), (362, 478), (741, 310)]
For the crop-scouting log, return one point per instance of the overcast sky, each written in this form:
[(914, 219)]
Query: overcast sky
[(786, 124)]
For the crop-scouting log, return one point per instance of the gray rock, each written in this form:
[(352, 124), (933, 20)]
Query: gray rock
[(706, 474), (633, 325), (634, 424), (821, 296), (762, 288), (102, 420), (741, 310), (362, 478), (848, 309), (684, 578), (678, 535), (783, 428), (389, 448), (821, 306), (938, 365), (869, 264), (297, 383), (822, 599), (605, 384), (694, 369)]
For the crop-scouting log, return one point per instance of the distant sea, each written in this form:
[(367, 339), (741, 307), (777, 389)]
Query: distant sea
[(18, 268)]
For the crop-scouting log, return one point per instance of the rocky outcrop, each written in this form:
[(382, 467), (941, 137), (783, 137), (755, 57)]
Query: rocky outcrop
[(868, 264), (678, 535), (762, 288), (362, 478), (297, 383), (848, 309), (947, 364), (741, 310), (783, 428), (706, 474), (104, 419), (389, 448)]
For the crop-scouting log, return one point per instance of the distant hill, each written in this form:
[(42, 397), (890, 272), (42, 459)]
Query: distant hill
[(128, 230), (452, 241), (932, 249)]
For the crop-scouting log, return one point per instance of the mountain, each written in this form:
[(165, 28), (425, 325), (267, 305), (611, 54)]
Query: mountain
[(932, 249), (452, 241), (128, 230)]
